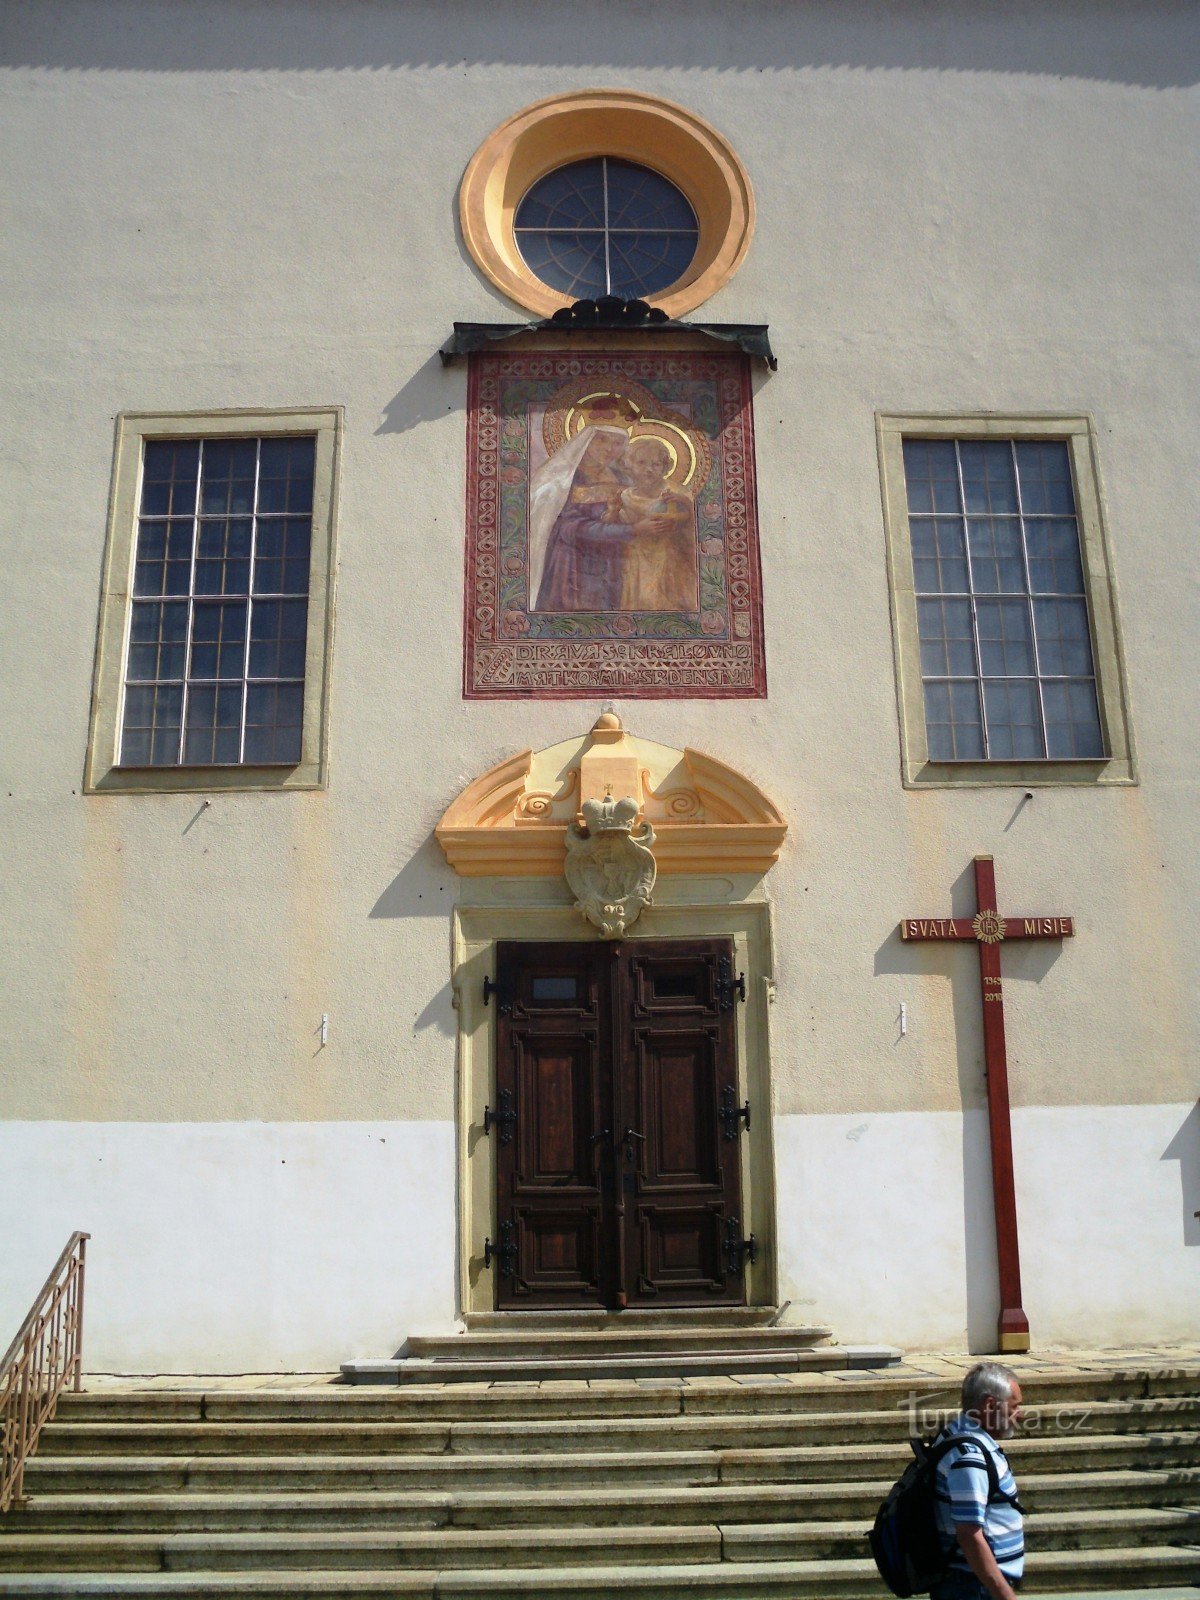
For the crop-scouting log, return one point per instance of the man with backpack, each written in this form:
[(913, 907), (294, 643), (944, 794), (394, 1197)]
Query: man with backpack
[(978, 1515), (951, 1526)]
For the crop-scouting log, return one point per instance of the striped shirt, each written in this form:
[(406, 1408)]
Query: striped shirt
[(962, 1491)]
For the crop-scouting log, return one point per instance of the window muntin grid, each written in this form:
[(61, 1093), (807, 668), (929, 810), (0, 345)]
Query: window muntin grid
[(606, 227), (218, 631), (1006, 655)]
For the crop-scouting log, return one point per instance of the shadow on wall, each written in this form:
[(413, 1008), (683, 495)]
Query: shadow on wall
[(1025, 961), (979, 1235), (431, 393), (1156, 45), (435, 388), (1185, 1148), (424, 887)]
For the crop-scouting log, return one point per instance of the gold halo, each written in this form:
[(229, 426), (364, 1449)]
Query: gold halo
[(581, 392), (673, 473), (580, 410), (693, 462), (685, 463)]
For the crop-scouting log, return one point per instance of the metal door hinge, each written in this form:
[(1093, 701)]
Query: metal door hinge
[(503, 1001), (727, 987), (732, 1115), (505, 1253), (505, 1118), (737, 1249)]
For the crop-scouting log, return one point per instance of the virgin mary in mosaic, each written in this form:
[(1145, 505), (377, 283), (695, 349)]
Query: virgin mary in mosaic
[(612, 540)]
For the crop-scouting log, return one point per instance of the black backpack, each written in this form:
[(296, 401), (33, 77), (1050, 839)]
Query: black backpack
[(904, 1540)]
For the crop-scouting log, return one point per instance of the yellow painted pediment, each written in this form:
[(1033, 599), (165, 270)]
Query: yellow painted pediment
[(708, 817)]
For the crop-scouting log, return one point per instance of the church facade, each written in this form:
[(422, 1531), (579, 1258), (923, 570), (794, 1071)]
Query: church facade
[(600, 671)]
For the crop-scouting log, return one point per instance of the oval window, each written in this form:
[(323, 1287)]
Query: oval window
[(606, 227)]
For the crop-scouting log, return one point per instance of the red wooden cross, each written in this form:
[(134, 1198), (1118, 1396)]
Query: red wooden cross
[(989, 930)]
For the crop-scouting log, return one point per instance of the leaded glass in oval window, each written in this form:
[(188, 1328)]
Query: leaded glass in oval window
[(606, 227)]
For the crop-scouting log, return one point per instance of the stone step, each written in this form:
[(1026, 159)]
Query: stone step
[(445, 1548), (1052, 1572), (1052, 1531), (547, 1369), (662, 1430), (1077, 1453), (806, 1391), (567, 1321), (545, 1546), (557, 1343), (306, 1471), (597, 1506)]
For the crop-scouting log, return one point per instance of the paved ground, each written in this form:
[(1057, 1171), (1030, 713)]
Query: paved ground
[(923, 1367)]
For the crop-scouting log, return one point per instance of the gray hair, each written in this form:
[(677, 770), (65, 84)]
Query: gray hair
[(987, 1380)]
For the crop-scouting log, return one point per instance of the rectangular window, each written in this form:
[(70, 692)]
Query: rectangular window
[(215, 625), (1008, 659), (1006, 654), (215, 670)]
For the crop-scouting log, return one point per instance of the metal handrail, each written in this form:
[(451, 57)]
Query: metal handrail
[(45, 1356)]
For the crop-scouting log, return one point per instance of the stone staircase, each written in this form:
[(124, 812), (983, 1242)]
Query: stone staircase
[(637, 1344), (648, 1487)]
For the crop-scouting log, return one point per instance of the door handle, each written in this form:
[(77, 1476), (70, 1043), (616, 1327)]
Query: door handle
[(627, 1139)]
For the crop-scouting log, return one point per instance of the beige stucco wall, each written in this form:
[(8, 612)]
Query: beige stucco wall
[(255, 205)]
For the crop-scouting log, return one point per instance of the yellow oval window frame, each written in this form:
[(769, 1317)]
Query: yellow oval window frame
[(607, 122)]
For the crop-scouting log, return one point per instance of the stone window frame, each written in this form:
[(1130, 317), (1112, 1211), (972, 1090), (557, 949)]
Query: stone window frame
[(102, 773), (623, 123), (1078, 433)]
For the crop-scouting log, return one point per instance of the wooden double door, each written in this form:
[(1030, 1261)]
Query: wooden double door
[(618, 1126)]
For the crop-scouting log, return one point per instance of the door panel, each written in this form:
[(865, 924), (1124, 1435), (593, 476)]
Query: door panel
[(680, 1248), (679, 1102), (677, 1058), (560, 1252), (620, 1178), (556, 1084), (554, 1057)]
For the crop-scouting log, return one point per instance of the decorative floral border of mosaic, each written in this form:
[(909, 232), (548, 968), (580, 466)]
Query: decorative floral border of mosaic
[(511, 652)]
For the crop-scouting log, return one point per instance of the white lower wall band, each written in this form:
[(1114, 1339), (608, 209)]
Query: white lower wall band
[(886, 1226), (227, 1247), (234, 1247)]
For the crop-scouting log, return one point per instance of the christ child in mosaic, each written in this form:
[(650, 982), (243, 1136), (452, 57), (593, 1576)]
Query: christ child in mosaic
[(659, 568)]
